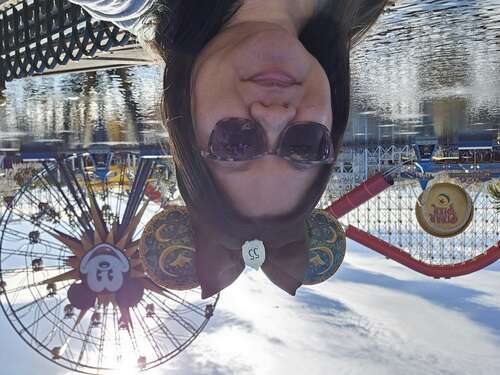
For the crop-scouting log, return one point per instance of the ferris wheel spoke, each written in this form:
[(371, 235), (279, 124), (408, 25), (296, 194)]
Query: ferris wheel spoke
[(118, 347), (85, 342), (40, 224), (49, 337), (85, 219), (34, 333), (23, 216), (137, 191), (122, 187), (66, 348), (66, 337), (133, 341), (14, 271), (97, 218), (48, 188), (95, 213), (43, 206), (56, 192), (25, 269), (81, 219), (66, 276), (148, 334), (29, 253), (12, 234), (7, 254), (56, 247), (19, 288), (174, 315), (42, 186), (102, 336), (175, 298), (74, 245), (16, 291), (42, 241), (162, 325), (42, 316), (79, 188), (53, 311), (105, 192)]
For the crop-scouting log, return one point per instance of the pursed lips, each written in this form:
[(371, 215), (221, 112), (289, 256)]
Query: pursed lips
[(273, 79)]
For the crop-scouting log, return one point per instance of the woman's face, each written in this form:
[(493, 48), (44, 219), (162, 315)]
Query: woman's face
[(262, 72)]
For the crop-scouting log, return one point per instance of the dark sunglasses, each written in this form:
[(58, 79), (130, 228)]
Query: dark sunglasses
[(240, 139)]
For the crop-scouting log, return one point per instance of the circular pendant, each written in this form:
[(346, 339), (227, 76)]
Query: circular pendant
[(167, 251), (327, 246)]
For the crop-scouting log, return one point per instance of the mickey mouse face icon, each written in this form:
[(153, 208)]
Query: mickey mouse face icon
[(103, 269)]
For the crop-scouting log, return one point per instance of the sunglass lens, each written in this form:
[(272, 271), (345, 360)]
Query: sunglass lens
[(237, 139), (306, 142)]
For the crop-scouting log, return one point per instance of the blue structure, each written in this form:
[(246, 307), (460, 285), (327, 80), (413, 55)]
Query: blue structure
[(466, 158)]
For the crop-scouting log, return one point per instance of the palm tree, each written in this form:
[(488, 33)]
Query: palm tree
[(494, 191)]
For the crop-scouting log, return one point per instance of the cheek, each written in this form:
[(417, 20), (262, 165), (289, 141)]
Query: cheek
[(213, 97), (317, 102)]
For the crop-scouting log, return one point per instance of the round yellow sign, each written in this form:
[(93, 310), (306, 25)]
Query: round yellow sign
[(444, 210)]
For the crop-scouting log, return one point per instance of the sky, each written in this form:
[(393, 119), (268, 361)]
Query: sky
[(373, 317)]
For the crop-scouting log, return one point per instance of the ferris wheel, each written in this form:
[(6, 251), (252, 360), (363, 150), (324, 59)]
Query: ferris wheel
[(73, 284)]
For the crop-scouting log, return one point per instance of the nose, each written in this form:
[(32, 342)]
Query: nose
[(104, 265), (273, 117)]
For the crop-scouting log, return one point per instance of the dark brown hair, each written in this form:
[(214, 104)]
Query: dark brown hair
[(185, 27)]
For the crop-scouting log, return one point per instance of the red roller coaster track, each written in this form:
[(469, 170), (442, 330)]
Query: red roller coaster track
[(359, 195), (483, 260)]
